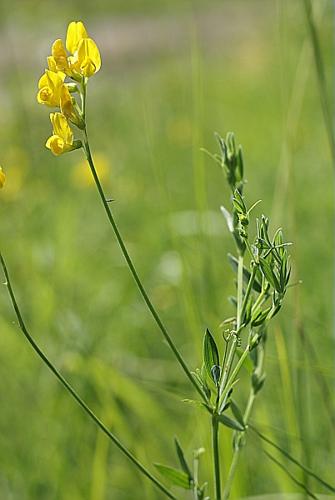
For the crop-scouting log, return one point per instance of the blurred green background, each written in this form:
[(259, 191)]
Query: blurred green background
[(174, 72)]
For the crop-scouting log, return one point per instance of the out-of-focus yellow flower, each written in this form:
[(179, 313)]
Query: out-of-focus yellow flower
[(50, 86), (2, 178), (61, 140), (76, 31), (87, 60), (82, 176)]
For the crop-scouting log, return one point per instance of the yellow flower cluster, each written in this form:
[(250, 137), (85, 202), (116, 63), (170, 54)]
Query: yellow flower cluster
[(2, 178), (78, 64)]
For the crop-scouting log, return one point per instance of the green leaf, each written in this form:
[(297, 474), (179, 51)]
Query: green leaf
[(237, 413), (174, 476), (269, 274), (260, 316), (182, 459), (229, 218), (246, 274), (211, 353), (229, 422)]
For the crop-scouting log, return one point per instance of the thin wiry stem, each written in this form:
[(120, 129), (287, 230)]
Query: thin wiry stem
[(237, 449), (290, 475), (72, 391), (134, 272)]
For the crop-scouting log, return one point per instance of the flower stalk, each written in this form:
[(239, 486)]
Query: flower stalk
[(73, 392)]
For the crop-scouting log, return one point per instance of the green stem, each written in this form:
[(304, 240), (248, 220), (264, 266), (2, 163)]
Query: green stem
[(229, 482), (236, 454), (134, 272), (246, 416), (195, 477), (239, 292), (227, 366), (232, 377), (216, 457), (241, 305), (248, 290), (72, 391)]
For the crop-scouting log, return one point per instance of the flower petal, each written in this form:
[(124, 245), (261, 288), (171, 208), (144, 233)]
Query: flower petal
[(76, 31)]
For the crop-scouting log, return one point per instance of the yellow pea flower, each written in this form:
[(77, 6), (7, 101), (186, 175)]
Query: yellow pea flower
[(61, 140), (58, 59), (76, 31), (50, 86), (2, 178), (68, 108), (87, 60)]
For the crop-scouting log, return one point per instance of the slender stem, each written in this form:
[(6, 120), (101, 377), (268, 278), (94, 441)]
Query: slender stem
[(240, 310), (248, 290), (232, 377), (239, 292), (246, 417), (72, 391), (227, 366), (216, 457), (229, 482), (195, 476), (237, 449), (134, 272)]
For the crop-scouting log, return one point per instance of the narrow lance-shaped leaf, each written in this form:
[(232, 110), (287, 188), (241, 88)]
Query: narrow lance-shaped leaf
[(182, 459), (211, 354), (174, 476), (229, 422), (269, 274), (237, 413)]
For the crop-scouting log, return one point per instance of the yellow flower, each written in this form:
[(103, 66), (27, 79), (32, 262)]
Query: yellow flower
[(58, 59), (50, 86), (2, 178), (61, 140), (76, 31), (87, 59), (68, 109)]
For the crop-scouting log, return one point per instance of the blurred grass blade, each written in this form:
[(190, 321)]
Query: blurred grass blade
[(292, 459), (320, 74), (72, 391), (294, 479)]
